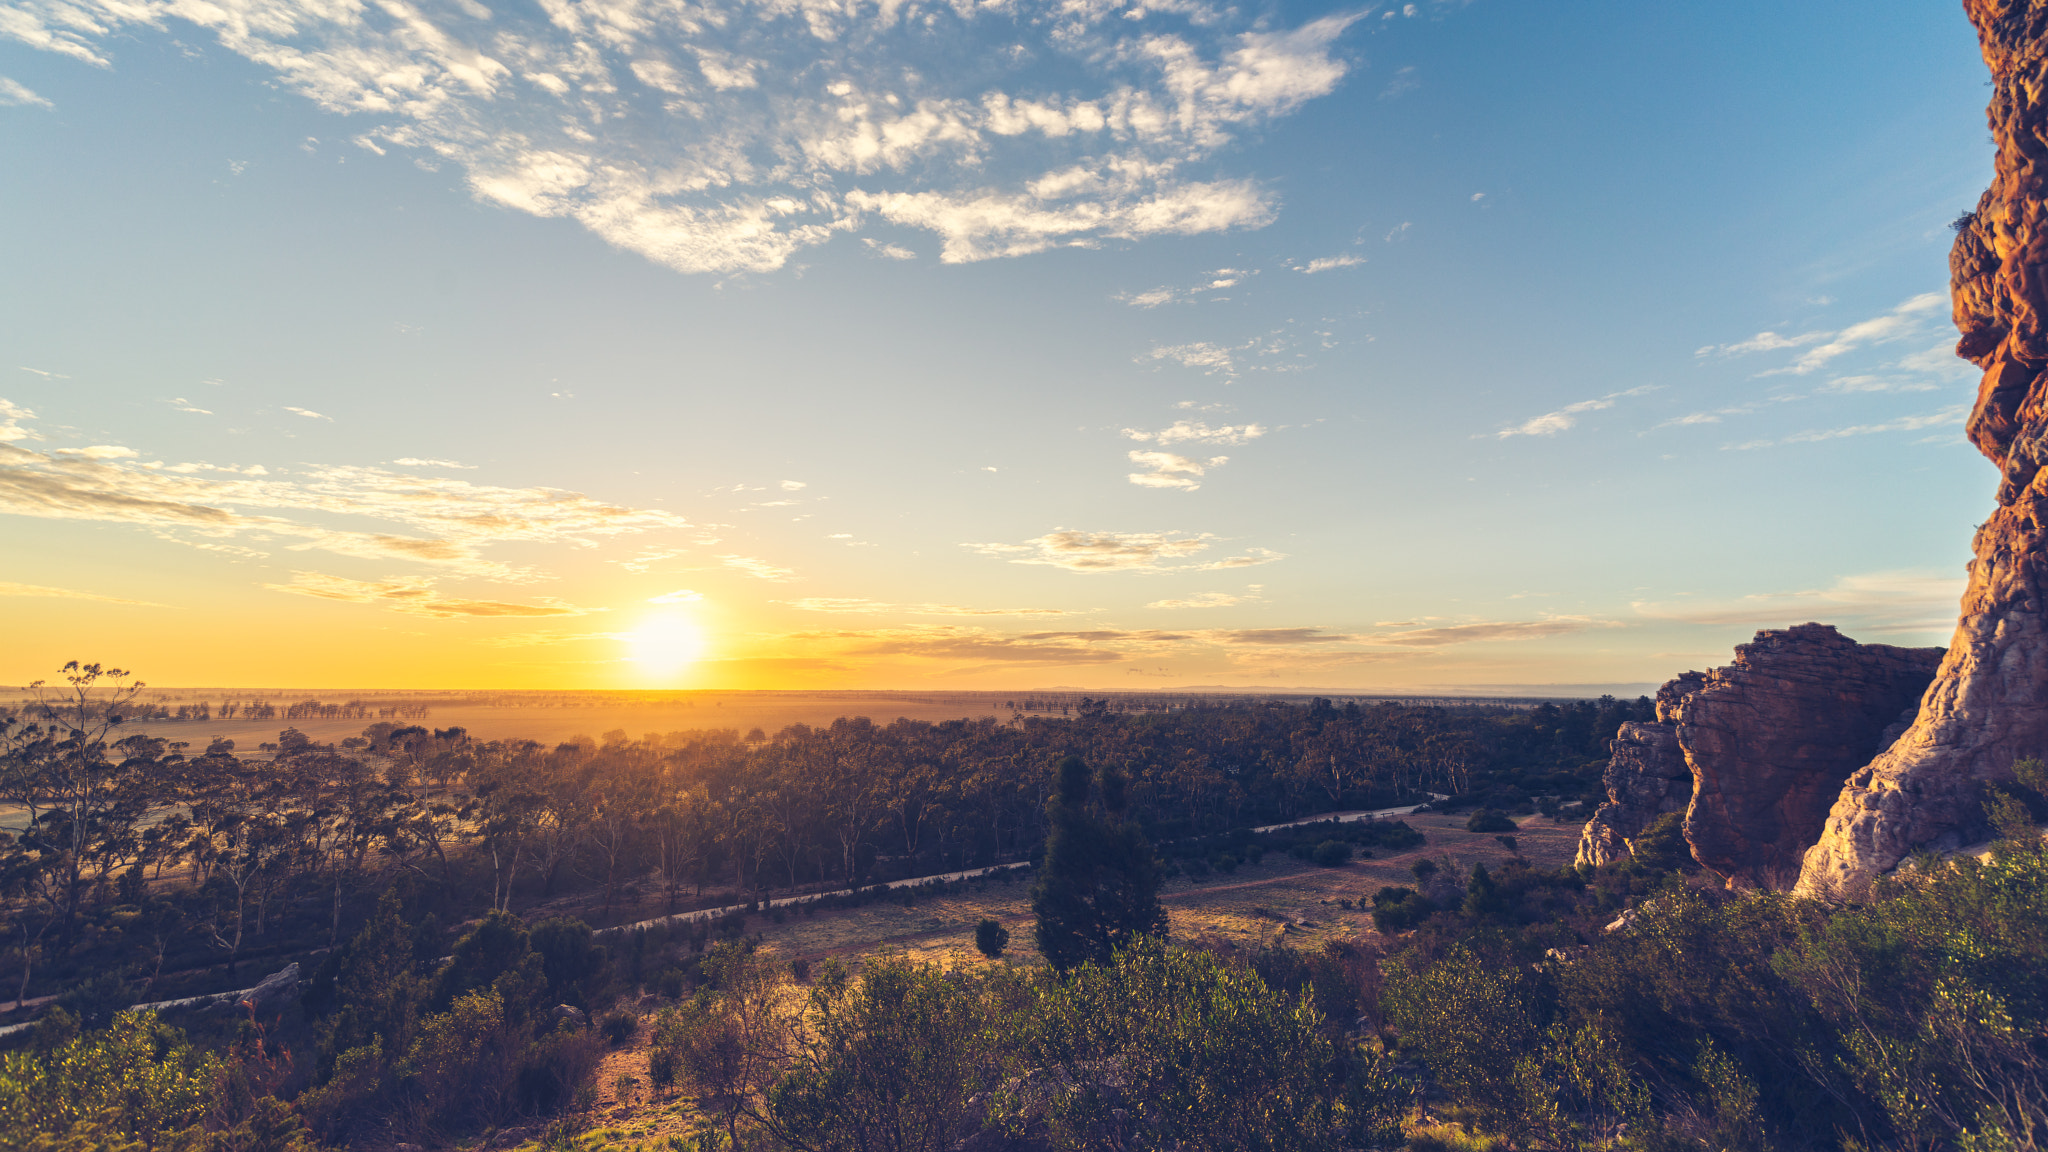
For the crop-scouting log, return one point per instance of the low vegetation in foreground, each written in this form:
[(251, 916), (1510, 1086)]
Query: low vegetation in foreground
[(1521, 1005)]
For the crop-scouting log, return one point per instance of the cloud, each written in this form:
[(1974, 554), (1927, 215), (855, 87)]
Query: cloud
[(1551, 423), (1206, 600), (1198, 433), (956, 643), (794, 485), (1097, 552), (758, 569), (8, 588), (725, 136), (1487, 630), (1902, 600), (888, 251), (11, 428), (1405, 81), (1845, 385), (648, 558), (414, 597), (184, 405), (1331, 263), (98, 452), (13, 93), (1941, 419), (308, 413), (1208, 357), (1908, 319), (1171, 471), (679, 596), (878, 607), (414, 462), (1151, 299), (431, 520)]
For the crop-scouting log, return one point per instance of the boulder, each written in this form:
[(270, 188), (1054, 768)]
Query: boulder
[(1771, 738), (1646, 777)]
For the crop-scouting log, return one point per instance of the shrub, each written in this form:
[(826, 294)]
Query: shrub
[(1489, 820), (991, 938), (1330, 854), (1400, 909), (135, 1079), (800, 970), (618, 1026)]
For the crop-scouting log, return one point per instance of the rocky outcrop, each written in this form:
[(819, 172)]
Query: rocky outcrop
[(1989, 703), (1646, 777), (1771, 738)]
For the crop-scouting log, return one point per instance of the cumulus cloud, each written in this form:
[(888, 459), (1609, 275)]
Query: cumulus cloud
[(1194, 431), (431, 520), (1167, 470), (415, 597), (1551, 423), (9, 588), (1096, 552), (724, 136), (1902, 600), (11, 426)]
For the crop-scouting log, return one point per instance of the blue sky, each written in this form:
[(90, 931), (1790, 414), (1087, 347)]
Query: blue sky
[(627, 343)]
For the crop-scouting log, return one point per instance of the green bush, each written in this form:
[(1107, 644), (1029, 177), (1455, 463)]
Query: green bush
[(990, 938), (1489, 820), (1330, 854), (619, 1026), (135, 1079)]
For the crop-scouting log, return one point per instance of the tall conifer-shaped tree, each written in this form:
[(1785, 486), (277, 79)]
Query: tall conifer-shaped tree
[(1099, 889)]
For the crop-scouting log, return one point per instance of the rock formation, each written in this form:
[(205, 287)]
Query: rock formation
[(1989, 703), (1771, 738), (1646, 777), (1755, 753)]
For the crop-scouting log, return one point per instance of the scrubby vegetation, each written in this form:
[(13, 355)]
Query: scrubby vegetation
[(1630, 1007)]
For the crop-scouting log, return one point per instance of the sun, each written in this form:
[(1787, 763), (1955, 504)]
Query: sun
[(666, 644)]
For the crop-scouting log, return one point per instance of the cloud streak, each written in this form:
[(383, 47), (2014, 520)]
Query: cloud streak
[(414, 597), (1094, 553)]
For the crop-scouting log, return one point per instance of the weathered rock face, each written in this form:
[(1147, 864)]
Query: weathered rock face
[(1646, 777), (1989, 702), (1771, 738)]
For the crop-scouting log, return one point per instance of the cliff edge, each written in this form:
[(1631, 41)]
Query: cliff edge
[(1988, 705)]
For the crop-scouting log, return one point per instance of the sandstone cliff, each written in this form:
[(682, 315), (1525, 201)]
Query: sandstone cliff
[(1771, 738), (1989, 703)]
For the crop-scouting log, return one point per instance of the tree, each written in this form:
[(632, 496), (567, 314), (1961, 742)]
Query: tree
[(1099, 889)]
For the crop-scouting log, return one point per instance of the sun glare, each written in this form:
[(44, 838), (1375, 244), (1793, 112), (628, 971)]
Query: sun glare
[(665, 645)]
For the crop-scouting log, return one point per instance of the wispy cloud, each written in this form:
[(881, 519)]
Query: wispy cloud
[(1551, 423), (1904, 600), (1908, 319), (415, 462), (758, 569), (724, 136), (1330, 264), (862, 606), (184, 405), (1944, 418), (8, 588), (679, 596), (15, 94), (1145, 552), (1209, 600), (438, 521), (415, 597), (1488, 631), (888, 251)]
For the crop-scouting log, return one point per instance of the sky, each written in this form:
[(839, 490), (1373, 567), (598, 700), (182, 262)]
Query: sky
[(1108, 344)]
